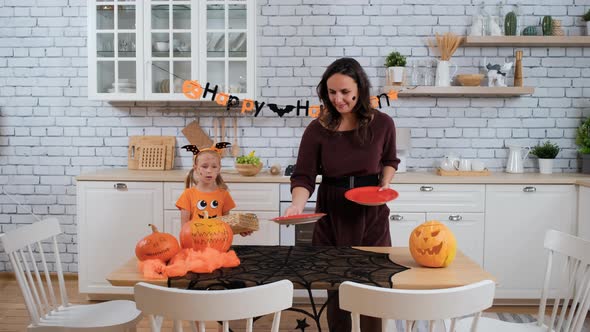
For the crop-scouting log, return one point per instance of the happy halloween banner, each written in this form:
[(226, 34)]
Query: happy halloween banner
[(194, 90)]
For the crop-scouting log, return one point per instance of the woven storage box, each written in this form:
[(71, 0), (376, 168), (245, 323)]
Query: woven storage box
[(241, 222)]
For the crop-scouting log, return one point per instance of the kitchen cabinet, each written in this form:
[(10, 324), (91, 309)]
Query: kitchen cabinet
[(460, 207), (112, 217), (584, 212), (139, 50), (516, 219)]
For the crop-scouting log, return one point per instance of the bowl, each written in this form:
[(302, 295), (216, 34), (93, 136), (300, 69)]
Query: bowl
[(248, 169), (162, 46), (469, 79)]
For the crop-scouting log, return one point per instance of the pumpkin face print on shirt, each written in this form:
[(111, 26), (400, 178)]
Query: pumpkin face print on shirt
[(216, 203)]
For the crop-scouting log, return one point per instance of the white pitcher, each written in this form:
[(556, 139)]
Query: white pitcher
[(515, 159), (443, 76)]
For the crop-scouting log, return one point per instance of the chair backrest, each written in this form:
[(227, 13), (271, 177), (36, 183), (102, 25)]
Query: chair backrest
[(412, 305), (214, 305), (573, 281), (28, 248)]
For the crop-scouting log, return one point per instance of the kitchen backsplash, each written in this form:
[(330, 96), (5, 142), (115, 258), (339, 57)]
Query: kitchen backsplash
[(50, 132)]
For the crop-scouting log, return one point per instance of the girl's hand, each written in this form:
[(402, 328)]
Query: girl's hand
[(246, 233), (292, 210)]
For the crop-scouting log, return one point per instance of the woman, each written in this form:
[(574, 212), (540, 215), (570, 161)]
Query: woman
[(351, 145)]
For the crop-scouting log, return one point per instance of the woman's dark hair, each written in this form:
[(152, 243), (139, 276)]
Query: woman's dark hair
[(363, 110)]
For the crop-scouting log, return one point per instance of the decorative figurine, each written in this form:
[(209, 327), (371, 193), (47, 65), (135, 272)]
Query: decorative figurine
[(497, 74)]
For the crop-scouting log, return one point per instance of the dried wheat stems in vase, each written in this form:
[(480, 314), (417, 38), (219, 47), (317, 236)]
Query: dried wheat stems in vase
[(447, 45)]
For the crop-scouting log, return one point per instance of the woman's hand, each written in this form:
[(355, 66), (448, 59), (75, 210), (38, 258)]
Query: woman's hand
[(384, 187), (292, 210), (246, 233)]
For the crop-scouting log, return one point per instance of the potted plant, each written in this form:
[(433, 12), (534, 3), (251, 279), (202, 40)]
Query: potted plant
[(546, 153), (586, 17), (583, 141), (248, 165), (395, 63)]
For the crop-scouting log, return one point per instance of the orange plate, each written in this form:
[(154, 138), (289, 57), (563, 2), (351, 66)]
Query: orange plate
[(370, 196), (298, 219)]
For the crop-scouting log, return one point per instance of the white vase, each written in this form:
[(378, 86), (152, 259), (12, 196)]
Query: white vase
[(443, 73), (587, 28), (395, 75), (545, 166)]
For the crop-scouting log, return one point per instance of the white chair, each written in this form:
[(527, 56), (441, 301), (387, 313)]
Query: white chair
[(209, 305), (413, 305), (572, 288), (48, 309)]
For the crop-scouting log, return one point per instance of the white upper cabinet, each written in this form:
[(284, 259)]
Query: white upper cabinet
[(145, 50)]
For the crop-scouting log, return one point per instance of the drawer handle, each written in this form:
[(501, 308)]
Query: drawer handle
[(120, 186), (396, 217), (529, 189), (455, 217), (426, 188)]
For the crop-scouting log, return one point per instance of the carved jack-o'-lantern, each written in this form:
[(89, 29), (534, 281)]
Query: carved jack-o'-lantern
[(433, 244), (162, 246), (206, 233)]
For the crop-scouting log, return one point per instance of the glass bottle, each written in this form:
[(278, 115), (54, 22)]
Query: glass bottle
[(485, 19), (428, 79), (415, 75)]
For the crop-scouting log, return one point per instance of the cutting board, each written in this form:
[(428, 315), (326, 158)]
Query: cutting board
[(151, 152), (196, 136)]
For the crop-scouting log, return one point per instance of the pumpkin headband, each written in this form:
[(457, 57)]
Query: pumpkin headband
[(215, 147)]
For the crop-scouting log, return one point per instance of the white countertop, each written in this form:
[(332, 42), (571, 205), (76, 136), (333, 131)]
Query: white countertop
[(231, 175)]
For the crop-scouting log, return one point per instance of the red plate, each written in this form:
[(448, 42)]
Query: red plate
[(370, 196), (298, 219)]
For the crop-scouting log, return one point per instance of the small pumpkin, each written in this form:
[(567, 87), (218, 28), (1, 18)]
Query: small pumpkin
[(432, 244), (206, 233), (162, 246)]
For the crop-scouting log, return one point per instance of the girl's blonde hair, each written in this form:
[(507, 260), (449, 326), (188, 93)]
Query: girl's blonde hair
[(190, 179)]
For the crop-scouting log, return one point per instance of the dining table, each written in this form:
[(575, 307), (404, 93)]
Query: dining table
[(314, 268)]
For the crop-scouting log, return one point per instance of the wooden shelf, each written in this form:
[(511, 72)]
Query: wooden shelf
[(532, 41), (452, 91)]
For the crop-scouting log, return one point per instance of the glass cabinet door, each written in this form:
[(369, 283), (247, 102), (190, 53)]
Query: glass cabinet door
[(228, 49), (171, 47), (114, 60)]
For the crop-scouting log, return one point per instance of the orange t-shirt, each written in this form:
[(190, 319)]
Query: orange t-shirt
[(216, 203)]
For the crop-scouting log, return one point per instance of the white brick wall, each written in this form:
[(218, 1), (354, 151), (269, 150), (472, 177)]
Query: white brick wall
[(50, 132)]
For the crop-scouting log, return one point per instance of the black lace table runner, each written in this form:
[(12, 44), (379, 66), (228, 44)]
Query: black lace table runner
[(307, 267)]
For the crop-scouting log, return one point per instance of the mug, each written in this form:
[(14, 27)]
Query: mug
[(465, 165), (477, 165)]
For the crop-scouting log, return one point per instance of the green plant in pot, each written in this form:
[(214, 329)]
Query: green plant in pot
[(546, 153), (586, 17), (583, 141), (395, 63), (248, 165)]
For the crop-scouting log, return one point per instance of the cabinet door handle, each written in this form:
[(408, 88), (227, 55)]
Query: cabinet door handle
[(426, 188), (529, 189), (396, 217), (455, 217), (120, 186)]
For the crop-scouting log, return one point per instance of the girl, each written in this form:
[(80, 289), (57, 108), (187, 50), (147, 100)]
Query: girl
[(205, 189)]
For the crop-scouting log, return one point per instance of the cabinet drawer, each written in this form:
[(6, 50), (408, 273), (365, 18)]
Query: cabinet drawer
[(401, 225), (255, 196), (468, 229), (172, 191), (438, 198)]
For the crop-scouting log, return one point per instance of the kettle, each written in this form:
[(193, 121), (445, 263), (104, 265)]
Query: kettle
[(515, 159)]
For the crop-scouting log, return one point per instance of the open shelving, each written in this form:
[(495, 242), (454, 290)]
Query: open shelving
[(453, 91), (530, 41)]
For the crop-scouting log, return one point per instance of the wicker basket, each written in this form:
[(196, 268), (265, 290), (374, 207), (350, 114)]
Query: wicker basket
[(248, 169), (469, 79), (241, 222)]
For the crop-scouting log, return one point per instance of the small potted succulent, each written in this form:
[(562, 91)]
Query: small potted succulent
[(586, 17), (395, 63), (248, 165), (583, 141), (546, 153)]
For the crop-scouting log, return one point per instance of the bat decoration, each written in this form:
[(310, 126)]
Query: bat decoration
[(281, 111), (215, 147)]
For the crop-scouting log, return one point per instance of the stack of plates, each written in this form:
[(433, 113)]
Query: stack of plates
[(125, 86), (165, 86)]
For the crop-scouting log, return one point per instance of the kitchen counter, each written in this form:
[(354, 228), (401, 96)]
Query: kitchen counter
[(231, 175)]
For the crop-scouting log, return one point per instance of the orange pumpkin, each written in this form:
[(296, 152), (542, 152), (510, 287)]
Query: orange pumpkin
[(162, 246), (433, 244), (206, 233)]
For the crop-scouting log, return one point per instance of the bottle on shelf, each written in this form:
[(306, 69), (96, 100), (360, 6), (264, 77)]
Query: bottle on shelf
[(518, 69)]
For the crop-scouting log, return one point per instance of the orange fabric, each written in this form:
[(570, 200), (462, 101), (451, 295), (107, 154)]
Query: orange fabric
[(197, 201), (205, 261)]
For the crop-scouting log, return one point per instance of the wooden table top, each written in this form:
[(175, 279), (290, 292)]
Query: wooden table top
[(462, 271)]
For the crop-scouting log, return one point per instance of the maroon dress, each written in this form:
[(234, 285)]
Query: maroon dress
[(339, 154)]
